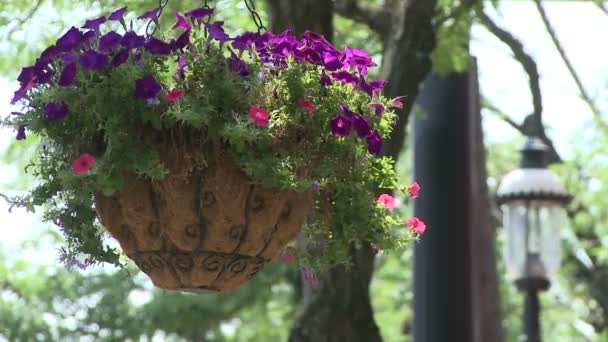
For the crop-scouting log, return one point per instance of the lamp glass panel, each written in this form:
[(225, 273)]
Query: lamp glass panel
[(532, 230)]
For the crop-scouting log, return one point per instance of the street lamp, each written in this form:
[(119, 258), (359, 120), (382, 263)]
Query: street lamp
[(532, 199)]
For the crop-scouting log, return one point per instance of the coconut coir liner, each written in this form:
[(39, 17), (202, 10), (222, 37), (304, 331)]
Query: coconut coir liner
[(204, 226)]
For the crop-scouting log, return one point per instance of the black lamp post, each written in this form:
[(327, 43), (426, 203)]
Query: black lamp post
[(532, 199)]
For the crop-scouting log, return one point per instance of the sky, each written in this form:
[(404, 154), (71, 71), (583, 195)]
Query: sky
[(502, 80)]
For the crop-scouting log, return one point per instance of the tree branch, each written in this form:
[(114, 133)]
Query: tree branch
[(523, 128), (378, 19), (22, 21), (583, 93), (526, 61)]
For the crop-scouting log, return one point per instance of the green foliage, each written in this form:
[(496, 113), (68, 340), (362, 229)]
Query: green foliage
[(296, 150), (453, 34)]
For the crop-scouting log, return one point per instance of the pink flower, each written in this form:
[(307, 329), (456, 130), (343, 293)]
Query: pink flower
[(413, 190), (416, 224), (305, 104), (83, 164), (288, 258), (258, 115), (174, 95), (386, 200)]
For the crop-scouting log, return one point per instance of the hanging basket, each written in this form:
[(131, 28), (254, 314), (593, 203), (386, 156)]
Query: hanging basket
[(203, 227)]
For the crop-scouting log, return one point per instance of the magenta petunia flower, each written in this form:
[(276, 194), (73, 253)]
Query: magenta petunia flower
[(109, 41), (331, 60), (371, 87), (181, 22), (68, 75), (340, 126), (259, 116), (174, 95), (118, 15), (83, 164), (413, 190), (121, 57), (93, 61), (288, 258), (306, 104), (216, 31), (94, 24), (157, 47), (57, 110), (374, 143), (386, 201), (147, 87), (416, 224)]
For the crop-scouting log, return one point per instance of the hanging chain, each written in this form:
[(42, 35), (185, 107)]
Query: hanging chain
[(255, 16)]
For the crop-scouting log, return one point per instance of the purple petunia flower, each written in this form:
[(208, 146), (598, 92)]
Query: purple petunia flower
[(21, 132), (87, 37), (49, 53), (93, 61), (344, 77), (93, 24), (216, 31), (244, 41), (147, 87), (314, 186), (310, 277), (357, 58), (397, 102), (132, 40), (238, 66), (199, 13), (118, 14), (26, 75), (340, 126), (325, 79), (68, 75), (371, 87), (157, 47), (109, 41), (378, 107), (181, 22), (151, 14), (331, 60), (57, 110), (43, 72), (361, 125), (69, 40), (374, 143), (120, 58), (182, 41), (68, 58)]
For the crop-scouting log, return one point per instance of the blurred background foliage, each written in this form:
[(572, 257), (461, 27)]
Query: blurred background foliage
[(46, 302)]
